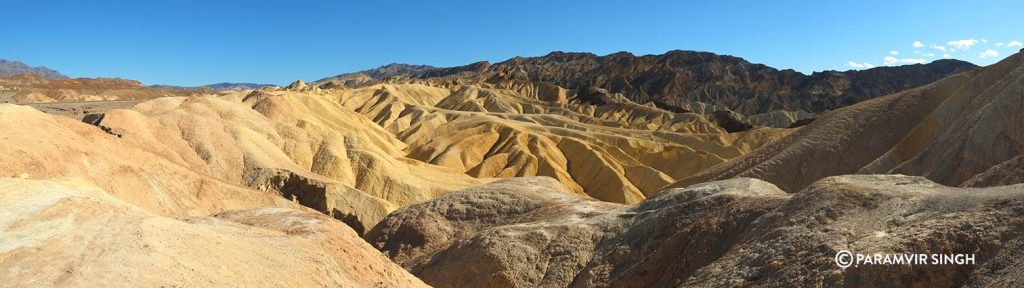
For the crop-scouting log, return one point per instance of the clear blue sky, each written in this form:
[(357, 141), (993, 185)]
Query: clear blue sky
[(202, 42)]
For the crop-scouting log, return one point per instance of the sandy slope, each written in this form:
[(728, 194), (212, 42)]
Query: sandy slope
[(70, 233), (151, 177)]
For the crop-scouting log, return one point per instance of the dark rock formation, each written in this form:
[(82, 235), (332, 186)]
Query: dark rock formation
[(730, 121), (802, 122), (1006, 173), (679, 78)]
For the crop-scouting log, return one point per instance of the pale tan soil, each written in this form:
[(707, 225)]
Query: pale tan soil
[(69, 233)]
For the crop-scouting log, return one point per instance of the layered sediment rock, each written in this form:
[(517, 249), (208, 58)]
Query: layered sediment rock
[(947, 131)]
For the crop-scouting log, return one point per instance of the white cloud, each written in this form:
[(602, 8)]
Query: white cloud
[(939, 47), (1000, 44), (945, 55), (988, 53), (963, 44), (1014, 43), (894, 52), (983, 40), (917, 44), (924, 54), (860, 65), (952, 49), (889, 60)]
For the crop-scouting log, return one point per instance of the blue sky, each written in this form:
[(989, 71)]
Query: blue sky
[(202, 42)]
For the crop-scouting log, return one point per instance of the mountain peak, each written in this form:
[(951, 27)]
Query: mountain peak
[(13, 67)]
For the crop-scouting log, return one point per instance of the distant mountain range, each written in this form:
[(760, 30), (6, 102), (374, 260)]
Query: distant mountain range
[(683, 80), (220, 86), (32, 88), (10, 68), (236, 86), (677, 80)]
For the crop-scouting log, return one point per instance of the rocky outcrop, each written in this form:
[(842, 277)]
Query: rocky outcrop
[(730, 121), (739, 232), (1006, 173), (298, 85), (781, 118), (70, 233)]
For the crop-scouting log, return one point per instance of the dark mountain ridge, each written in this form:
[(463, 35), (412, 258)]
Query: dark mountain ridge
[(10, 68), (681, 79)]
